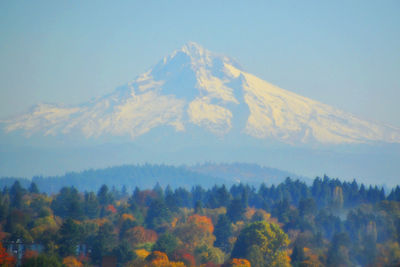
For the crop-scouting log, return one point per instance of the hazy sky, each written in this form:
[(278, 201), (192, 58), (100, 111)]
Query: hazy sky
[(343, 53)]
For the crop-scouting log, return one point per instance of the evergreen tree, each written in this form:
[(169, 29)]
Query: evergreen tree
[(33, 188), (43, 260), (70, 234), (297, 255), (198, 207), (222, 232), (103, 242), (91, 205), (104, 196), (124, 252), (236, 210), (157, 214), (338, 254), (68, 203), (307, 207), (16, 194), (166, 243)]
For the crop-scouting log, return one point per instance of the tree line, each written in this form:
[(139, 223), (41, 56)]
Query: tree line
[(327, 223)]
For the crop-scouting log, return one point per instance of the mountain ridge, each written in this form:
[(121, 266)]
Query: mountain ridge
[(148, 175), (194, 86)]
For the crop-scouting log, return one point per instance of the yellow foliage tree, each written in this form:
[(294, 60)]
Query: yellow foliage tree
[(337, 198), (142, 253), (281, 259), (264, 243)]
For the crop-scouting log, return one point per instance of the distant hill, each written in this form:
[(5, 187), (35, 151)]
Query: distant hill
[(148, 175), (143, 176), (246, 173)]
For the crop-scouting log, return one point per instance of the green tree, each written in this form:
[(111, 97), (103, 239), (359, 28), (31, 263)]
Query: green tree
[(166, 243), (236, 210), (68, 203), (104, 196), (338, 252), (206, 254), (103, 243), (307, 207), (124, 252), (42, 261), (157, 214), (198, 207), (297, 255), (269, 238), (70, 235), (91, 205), (222, 232), (255, 256), (33, 188), (16, 194)]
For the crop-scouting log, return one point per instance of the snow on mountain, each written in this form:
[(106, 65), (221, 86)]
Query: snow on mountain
[(194, 86)]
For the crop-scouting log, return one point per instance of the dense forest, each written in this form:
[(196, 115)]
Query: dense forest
[(327, 223)]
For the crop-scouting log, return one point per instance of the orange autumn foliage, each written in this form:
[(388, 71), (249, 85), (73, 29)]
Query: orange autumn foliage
[(6, 259), (111, 209), (174, 222), (160, 259), (71, 261), (127, 216), (312, 259), (196, 231), (237, 263), (249, 213), (202, 222)]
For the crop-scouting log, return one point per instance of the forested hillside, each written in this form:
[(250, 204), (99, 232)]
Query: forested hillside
[(130, 176), (147, 175), (330, 223)]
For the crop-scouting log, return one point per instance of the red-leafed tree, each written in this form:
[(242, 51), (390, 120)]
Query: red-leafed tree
[(6, 259)]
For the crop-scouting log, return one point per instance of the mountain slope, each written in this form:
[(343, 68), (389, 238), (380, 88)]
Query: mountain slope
[(194, 86)]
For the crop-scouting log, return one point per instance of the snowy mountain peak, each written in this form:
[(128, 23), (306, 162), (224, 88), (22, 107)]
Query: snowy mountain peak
[(194, 88), (194, 55), (194, 49)]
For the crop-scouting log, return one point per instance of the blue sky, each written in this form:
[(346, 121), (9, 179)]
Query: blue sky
[(343, 53)]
